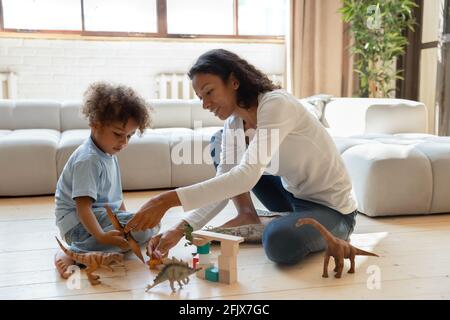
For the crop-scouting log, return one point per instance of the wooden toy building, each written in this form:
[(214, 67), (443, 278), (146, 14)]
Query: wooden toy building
[(227, 260)]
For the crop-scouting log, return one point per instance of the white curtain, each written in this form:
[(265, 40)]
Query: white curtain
[(317, 60)]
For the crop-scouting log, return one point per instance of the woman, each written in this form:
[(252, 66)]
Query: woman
[(307, 175)]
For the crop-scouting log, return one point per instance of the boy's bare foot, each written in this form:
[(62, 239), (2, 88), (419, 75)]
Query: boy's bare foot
[(62, 263)]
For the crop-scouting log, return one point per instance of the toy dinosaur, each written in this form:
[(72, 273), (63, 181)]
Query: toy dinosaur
[(94, 260), (154, 263), (128, 237), (336, 248), (173, 270)]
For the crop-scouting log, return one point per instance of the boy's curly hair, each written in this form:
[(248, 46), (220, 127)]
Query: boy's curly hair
[(106, 103)]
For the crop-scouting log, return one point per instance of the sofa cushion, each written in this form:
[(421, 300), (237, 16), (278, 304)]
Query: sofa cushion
[(6, 114), (71, 117), (316, 105), (438, 154), (189, 113), (203, 118), (36, 114), (398, 174), (28, 162), (70, 140), (350, 116), (171, 113), (145, 162), (190, 156), (29, 114)]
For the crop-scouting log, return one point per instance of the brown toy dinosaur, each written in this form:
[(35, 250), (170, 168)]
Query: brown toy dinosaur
[(128, 237), (173, 270), (336, 248), (94, 260)]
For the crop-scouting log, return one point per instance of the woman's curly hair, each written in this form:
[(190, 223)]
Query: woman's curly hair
[(105, 103), (223, 63)]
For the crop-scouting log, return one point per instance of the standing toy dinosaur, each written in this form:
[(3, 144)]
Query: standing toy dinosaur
[(94, 260), (173, 270), (336, 248), (128, 237)]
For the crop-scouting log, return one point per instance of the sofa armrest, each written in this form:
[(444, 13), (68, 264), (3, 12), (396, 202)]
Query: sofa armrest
[(352, 116)]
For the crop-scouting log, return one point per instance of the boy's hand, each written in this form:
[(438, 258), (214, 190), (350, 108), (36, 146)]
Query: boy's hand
[(113, 237)]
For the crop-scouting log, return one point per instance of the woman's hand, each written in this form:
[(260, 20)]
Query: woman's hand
[(151, 213), (158, 247), (148, 216)]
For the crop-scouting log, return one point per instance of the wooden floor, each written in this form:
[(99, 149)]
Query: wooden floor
[(414, 262)]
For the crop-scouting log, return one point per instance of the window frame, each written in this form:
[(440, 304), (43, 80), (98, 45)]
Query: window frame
[(161, 12), (447, 17)]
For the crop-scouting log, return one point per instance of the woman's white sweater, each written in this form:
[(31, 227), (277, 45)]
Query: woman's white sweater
[(288, 142)]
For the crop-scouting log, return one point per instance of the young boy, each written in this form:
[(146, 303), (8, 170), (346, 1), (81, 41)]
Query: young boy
[(91, 177)]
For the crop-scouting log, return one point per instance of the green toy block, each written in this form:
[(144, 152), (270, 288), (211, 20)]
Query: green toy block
[(203, 249), (212, 274)]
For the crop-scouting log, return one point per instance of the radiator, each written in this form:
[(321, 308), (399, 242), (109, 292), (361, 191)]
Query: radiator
[(178, 85), (174, 86), (8, 89)]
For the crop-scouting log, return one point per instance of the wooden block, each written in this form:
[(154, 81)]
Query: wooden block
[(203, 249), (212, 274), (227, 262), (201, 273), (199, 242), (229, 249), (217, 236), (228, 276), (194, 262), (204, 258)]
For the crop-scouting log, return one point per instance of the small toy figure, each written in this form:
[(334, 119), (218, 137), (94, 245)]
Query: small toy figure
[(173, 270), (188, 235), (94, 260), (336, 248), (128, 237), (154, 263)]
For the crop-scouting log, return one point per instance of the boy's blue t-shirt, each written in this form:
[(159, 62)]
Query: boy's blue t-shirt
[(88, 172)]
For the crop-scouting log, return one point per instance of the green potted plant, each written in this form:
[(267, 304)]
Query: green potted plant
[(378, 31)]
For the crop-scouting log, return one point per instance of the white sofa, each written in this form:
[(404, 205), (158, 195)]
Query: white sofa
[(37, 138), (396, 168)]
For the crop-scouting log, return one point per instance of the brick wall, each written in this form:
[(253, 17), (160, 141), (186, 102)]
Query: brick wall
[(62, 69)]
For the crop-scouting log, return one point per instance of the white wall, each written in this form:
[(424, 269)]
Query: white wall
[(62, 69)]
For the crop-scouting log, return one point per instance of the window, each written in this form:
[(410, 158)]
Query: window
[(262, 17), (120, 15), (155, 18), (42, 14), (200, 17)]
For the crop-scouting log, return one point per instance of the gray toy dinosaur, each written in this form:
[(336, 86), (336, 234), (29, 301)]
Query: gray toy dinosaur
[(173, 270)]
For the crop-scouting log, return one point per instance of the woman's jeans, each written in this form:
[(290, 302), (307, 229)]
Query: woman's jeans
[(283, 242)]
